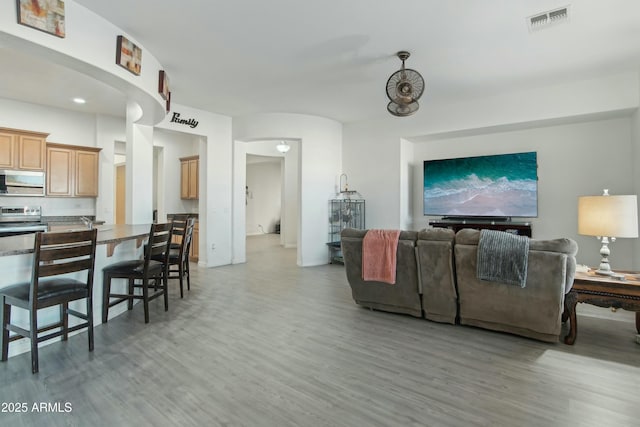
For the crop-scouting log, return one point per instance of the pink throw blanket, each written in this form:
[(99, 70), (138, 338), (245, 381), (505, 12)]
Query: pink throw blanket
[(379, 255)]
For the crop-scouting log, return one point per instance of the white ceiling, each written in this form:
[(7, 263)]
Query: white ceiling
[(332, 58)]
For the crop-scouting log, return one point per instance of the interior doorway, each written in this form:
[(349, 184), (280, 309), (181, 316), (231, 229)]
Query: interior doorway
[(120, 184), (284, 201), (121, 191), (263, 195)]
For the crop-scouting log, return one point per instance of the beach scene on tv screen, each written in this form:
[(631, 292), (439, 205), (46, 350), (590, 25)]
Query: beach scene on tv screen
[(497, 185)]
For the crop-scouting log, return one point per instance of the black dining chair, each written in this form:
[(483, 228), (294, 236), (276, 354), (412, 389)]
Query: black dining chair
[(179, 252), (147, 274), (55, 255)]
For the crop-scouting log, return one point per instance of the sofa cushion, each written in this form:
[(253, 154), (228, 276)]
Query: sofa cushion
[(569, 247), (534, 311), (434, 254), (469, 236), (352, 232), (440, 234)]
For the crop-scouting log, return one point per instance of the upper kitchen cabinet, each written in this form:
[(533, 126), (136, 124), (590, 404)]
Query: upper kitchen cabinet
[(72, 171), (189, 177), (21, 149)]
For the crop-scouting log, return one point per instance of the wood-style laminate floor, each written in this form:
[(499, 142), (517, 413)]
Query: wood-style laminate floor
[(269, 344)]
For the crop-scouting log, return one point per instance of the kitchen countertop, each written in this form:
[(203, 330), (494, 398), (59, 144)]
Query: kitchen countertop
[(107, 234), (171, 215), (69, 219)]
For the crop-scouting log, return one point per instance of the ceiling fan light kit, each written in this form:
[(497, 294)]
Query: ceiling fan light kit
[(404, 88)]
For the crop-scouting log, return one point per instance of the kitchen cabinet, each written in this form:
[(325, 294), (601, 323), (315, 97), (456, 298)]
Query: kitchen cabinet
[(189, 177), (72, 171), (22, 149), (195, 243)]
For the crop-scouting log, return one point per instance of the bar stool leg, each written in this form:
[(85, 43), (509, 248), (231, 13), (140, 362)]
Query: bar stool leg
[(165, 281), (34, 340), (64, 319), (145, 299), (130, 292), (90, 321), (106, 290), (186, 267), (181, 273), (6, 319)]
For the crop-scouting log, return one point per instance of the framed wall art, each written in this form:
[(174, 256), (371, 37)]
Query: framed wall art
[(163, 85), (168, 102), (43, 15), (128, 55)]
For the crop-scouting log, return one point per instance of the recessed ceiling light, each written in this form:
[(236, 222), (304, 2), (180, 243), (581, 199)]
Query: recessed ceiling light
[(79, 100)]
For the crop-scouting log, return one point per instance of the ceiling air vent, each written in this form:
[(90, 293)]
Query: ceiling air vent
[(546, 19)]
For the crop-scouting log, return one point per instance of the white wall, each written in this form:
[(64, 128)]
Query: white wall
[(573, 160), (290, 196), (264, 180), (88, 47), (408, 169), (635, 146), (110, 131), (216, 162), (139, 167), (174, 145), (372, 150), (582, 132), (319, 162)]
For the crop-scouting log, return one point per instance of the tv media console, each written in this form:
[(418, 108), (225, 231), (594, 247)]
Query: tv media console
[(519, 228)]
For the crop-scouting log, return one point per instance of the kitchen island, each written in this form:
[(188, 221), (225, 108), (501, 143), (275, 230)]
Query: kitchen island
[(115, 243)]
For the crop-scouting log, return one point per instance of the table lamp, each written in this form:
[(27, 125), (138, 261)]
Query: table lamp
[(607, 217)]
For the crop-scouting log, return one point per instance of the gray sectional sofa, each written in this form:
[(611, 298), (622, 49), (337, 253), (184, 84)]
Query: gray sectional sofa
[(436, 279)]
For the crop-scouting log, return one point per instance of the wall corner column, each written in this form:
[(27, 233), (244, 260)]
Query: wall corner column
[(139, 158)]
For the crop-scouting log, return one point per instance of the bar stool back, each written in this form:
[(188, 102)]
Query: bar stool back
[(149, 273), (179, 253), (54, 256)]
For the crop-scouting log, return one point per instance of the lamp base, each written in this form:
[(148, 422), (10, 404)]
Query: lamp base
[(609, 273), (605, 269), (604, 272)]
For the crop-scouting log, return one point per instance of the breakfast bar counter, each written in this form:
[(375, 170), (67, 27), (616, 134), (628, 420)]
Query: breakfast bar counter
[(107, 234), (115, 243)]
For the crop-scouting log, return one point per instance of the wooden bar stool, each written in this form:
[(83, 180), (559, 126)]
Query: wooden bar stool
[(149, 273), (54, 254), (182, 233)]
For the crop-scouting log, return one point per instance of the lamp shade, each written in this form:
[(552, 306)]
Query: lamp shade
[(608, 216)]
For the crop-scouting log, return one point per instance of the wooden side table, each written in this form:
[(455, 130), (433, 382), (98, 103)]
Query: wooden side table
[(602, 291)]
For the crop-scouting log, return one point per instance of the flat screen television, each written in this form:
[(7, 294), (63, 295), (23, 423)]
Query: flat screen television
[(496, 186)]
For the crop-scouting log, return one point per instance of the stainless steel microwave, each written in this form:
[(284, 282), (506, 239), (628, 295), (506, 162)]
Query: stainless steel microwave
[(21, 183)]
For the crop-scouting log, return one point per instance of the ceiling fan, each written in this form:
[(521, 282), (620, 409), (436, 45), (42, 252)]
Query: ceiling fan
[(404, 88)]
